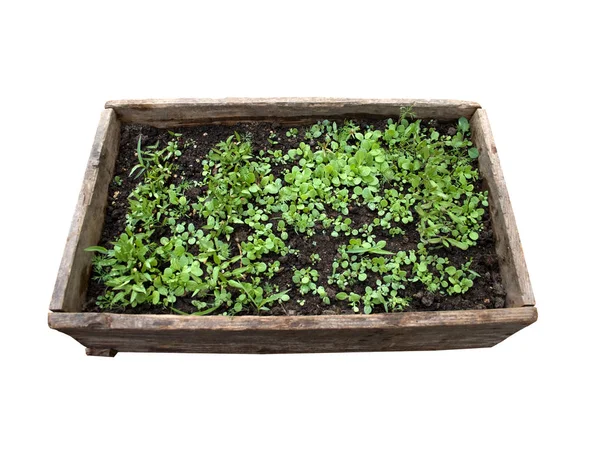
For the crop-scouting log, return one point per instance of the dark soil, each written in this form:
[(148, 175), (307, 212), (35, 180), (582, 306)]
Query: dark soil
[(486, 293)]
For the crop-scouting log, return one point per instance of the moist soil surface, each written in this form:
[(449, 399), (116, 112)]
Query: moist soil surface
[(486, 293)]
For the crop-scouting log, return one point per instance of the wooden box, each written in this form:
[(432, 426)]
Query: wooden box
[(107, 333)]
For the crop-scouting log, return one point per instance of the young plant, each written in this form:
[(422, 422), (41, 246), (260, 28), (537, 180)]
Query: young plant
[(315, 258), (306, 279), (292, 132)]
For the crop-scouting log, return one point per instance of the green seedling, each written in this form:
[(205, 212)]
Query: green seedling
[(306, 279), (292, 132)]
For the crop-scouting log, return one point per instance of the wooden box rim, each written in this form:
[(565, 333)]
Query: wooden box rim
[(65, 305)]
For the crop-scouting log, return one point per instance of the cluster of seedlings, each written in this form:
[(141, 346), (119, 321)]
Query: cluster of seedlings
[(180, 234)]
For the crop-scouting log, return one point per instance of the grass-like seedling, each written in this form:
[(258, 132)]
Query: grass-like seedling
[(404, 174)]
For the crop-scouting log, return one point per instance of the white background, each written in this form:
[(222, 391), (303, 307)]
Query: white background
[(532, 66)]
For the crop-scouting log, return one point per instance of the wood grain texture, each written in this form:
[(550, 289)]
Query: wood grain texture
[(508, 244), (330, 333), (198, 111), (72, 280)]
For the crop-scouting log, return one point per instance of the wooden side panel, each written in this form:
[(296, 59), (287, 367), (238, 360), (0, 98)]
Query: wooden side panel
[(508, 244), (331, 333), (187, 112), (72, 280)]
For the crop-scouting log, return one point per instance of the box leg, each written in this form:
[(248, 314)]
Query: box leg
[(101, 352)]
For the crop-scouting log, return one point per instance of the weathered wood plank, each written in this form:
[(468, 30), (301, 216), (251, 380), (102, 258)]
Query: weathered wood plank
[(192, 111), (331, 333), (508, 244), (72, 280)]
